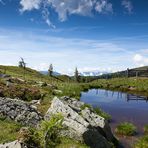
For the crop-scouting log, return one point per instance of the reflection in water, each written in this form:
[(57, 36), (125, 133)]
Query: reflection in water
[(131, 97), (123, 107), (119, 95)]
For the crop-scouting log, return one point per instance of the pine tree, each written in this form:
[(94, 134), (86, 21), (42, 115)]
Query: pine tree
[(76, 75), (50, 70), (22, 64)]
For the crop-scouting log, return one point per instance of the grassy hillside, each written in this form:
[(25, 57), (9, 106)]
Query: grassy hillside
[(31, 89), (30, 74), (36, 86), (142, 68), (142, 72), (63, 85)]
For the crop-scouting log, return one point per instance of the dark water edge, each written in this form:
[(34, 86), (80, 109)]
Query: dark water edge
[(123, 107)]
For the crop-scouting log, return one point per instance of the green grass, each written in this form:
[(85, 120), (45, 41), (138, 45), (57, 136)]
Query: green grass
[(142, 142), (85, 106), (35, 137), (125, 129), (137, 86), (31, 75), (146, 129), (70, 143), (103, 114), (45, 104), (8, 130), (74, 89), (70, 89)]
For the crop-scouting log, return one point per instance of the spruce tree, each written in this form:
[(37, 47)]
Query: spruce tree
[(50, 70), (76, 75)]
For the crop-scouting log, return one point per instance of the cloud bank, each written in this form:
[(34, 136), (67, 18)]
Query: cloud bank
[(64, 9), (29, 5), (140, 60), (64, 53)]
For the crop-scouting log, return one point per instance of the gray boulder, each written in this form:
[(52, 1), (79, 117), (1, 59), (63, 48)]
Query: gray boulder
[(19, 111), (84, 125), (99, 122), (14, 144)]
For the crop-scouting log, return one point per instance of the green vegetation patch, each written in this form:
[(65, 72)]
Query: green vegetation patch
[(8, 130), (86, 106), (137, 86), (126, 129), (70, 143), (102, 114), (70, 89), (47, 135), (146, 129), (23, 92), (142, 142)]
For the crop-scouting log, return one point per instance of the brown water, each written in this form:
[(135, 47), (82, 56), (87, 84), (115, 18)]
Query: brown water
[(122, 107)]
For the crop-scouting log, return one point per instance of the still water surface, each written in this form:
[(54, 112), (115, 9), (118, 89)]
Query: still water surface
[(121, 106)]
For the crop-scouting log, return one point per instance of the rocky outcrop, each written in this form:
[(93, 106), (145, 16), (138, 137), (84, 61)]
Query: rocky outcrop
[(83, 125), (14, 144), (19, 111)]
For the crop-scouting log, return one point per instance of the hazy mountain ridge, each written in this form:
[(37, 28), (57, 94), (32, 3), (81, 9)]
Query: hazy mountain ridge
[(86, 73), (92, 73), (46, 73)]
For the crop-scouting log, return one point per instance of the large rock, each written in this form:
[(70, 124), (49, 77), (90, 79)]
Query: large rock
[(99, 122), (83, 125), (14, 144), (19, 111)]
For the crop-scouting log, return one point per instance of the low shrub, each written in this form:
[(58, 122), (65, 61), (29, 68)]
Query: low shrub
[(146, 129), (142, 142), (26, 93), (29, 136), (50, 131), (47, 135), (126, 129)]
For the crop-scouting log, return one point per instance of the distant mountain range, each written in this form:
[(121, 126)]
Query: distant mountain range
[(142, 71), (89, 73), (92, 73), (46, 73)]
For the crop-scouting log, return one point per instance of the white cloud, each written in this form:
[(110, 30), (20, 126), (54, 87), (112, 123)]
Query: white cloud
[(45, 15), (41, 50), (140, 60), (128, 6), (103, 7), (66, 8), (28, 5), (79, 7)]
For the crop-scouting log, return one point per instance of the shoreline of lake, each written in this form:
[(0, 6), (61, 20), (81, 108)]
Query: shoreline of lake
[(121, 108)]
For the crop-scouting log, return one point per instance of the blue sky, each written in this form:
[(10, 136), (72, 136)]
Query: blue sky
[(94, 35)]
